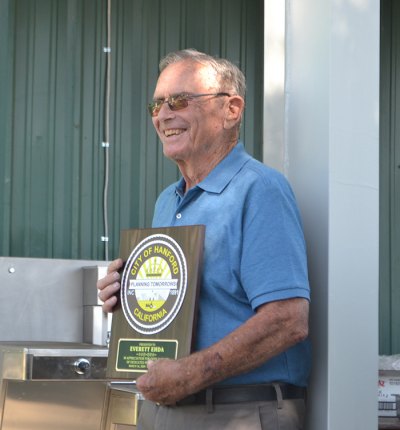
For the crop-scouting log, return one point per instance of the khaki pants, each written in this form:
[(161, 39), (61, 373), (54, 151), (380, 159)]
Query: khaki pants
[(271, 415)]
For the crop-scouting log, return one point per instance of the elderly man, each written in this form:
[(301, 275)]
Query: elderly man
[(252, 356)]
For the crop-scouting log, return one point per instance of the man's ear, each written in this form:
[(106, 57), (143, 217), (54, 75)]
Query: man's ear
[(233, 111)]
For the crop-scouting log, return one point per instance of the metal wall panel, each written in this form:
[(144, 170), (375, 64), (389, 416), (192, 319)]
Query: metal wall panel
[(390, 179), (52, 68)]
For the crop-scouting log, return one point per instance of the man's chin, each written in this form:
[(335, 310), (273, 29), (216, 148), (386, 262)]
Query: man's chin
[(172, 152)]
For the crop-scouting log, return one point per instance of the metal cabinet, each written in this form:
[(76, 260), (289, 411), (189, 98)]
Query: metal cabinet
[(50, 385)]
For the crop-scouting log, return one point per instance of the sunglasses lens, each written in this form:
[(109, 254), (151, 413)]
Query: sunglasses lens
[(174, 103), (154, 108), (177, 103)]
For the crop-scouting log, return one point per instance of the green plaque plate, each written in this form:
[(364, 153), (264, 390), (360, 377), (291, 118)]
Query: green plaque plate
[(156, 314), (133, 354)]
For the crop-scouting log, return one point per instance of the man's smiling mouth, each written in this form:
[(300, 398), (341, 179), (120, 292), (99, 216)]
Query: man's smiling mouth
[(173, 132)]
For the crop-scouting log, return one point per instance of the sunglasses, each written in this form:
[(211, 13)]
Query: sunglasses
[(178, 102)]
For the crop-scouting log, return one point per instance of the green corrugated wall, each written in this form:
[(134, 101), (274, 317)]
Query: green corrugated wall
[(390, 178), (52, 70)]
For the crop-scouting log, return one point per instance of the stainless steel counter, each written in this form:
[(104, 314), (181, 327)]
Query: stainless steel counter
[(51, 361), (60, 386), (50, 385), (53, 353)]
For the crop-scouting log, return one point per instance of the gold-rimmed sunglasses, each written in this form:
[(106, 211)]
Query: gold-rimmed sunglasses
[(177, 102)]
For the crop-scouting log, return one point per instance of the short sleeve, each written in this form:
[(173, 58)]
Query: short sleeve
[(273, 262)]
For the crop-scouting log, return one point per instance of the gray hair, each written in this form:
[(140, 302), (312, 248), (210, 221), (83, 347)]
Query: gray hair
[(229, 75)]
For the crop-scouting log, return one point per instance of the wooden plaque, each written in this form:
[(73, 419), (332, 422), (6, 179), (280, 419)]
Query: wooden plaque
[(156, 314)]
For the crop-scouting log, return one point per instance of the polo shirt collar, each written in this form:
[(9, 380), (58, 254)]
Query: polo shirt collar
[(222, 174)]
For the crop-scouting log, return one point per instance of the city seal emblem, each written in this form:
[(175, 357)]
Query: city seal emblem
[(153, 284)]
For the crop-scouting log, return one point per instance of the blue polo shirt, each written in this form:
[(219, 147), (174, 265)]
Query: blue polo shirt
[(254, 253)]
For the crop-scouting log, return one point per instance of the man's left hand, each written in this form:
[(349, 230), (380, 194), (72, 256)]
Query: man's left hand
[(165, 383)]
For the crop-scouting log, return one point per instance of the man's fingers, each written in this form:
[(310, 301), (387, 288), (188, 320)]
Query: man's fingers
[(109, 279), (115, 265), (109, 304), (109, 285)]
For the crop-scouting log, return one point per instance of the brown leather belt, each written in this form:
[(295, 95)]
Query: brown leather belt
[(222, 395)]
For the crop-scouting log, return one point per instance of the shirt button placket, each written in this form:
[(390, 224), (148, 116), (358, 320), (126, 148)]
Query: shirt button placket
[(178, 215)]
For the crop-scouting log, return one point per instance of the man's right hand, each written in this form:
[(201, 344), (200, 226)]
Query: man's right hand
[(110, 285)]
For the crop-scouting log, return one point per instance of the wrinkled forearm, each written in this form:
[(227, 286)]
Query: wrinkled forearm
[(276, 327)]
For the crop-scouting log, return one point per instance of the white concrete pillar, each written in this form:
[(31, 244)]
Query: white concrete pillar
[(328, 146)]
